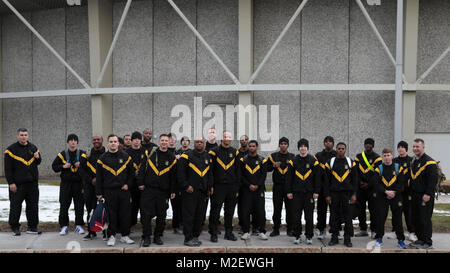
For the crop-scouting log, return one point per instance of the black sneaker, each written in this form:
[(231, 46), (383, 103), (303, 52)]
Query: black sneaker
[(425, 246), (274, 233), (348, 243), (197, 240), (334, 241), (90, 236), (16, 232), (214, 238), (290, 233), (157, 240), (34, 231), (147, 241), (230, 236)]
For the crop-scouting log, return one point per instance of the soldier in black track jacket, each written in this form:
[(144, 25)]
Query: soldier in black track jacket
[(226, 173), (253, 177), (388, 183), (21, 171), (366, 162), (404, 160), (340, 191), (156, 177), (137, 153), (303, 186), (195, 179), (71, 164), (90, 199), (278, 164), (423, 179), (323, 157), (115, 173)]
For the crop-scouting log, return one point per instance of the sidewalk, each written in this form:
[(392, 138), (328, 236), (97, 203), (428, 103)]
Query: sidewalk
[(52, 242)]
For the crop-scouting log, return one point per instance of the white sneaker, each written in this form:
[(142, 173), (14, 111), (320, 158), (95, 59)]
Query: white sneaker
[(245, 236), (79, 230), (64, 231), (126, 240), (308, 241), (111, 241), (263, 236), (340, 237), (412, 237), (297, 241)]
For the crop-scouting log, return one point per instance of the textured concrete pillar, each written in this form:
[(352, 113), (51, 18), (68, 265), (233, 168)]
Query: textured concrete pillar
[(100, 14), (245, 62), (410, 68)]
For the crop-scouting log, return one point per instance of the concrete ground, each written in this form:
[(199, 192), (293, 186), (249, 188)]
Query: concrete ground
[(52, 242)]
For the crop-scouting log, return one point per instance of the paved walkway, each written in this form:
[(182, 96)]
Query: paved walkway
[(173, 243)]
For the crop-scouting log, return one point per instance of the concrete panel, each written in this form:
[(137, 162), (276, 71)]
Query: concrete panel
[(174, 44), (434, 39), (133, 66), (289, 112), (325, 34), (369, 63), (432, 108), (163, 104), (132, 112), (16, 55), (132, 57), (324, 113), (16, 76), (77, 55), (217, 22), (270, 17), (49, 114), (371, 114)]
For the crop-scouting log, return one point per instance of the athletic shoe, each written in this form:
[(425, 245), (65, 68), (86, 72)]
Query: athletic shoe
[(126, 240), (79, 230), (111, 241), (64, 231), (34, 231), (401, 244), (263, 236), (379, 242), (245, 236)]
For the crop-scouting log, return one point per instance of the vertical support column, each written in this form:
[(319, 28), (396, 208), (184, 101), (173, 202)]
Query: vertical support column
[(398, 127), (100, 14), (410, 67), (245, 65)]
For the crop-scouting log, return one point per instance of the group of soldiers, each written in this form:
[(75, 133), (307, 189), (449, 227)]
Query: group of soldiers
[(134, 175)]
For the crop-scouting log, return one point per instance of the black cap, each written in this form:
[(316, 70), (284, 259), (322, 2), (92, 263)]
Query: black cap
[(135, 135), (369, 141), (72, 137), (403, 144), (303, 142), (283, 139)]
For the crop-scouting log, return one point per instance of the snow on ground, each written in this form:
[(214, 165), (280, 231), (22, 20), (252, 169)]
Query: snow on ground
[(49, 206)]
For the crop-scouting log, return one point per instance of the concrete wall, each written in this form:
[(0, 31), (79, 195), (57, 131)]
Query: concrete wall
[(330, 42), (28, 65)]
